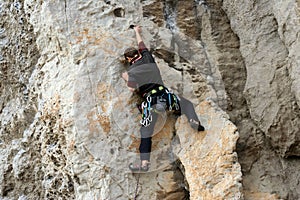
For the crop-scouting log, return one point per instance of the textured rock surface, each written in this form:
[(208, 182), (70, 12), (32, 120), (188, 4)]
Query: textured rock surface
[(210, 162), (273, 105), (269, 48), (69, 127)]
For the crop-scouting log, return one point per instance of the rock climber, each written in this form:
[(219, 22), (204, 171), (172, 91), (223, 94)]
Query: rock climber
[(143, 77)]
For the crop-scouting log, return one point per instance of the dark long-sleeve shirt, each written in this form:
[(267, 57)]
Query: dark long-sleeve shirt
[(144, 74)]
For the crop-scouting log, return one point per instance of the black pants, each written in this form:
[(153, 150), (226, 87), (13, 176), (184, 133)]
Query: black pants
[(186, 107)]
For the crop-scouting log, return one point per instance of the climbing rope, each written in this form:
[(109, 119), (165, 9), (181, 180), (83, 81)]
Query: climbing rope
[(137, 187)]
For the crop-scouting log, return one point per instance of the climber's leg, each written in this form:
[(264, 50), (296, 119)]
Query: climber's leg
[(188, 109), (146, 138), (145, 146)]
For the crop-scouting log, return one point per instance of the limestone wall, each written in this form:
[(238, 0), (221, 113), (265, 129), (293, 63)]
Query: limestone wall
[(268, 33), (69, 126)]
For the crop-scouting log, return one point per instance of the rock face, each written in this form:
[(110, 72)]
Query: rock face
[(269, 49), (69, 127), (211, 165)]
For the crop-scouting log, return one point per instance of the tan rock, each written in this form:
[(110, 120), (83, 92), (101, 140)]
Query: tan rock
[(209, 157)]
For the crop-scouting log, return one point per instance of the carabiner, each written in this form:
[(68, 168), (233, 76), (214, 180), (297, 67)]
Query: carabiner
[(146, 122), (170, 101), (149, 99), (144, 105), (176, 106), (149, 117)]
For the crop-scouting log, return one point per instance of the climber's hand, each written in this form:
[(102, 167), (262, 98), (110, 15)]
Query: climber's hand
[(137, 29)]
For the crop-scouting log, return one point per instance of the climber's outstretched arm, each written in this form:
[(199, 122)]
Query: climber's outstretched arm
[(138, 31), (139, 39)]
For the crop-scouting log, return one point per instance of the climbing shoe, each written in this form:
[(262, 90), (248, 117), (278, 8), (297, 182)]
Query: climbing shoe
[(200, 127), (139, 167), (196, 125)]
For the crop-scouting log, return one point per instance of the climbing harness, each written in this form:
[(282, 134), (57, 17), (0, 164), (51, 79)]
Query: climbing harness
[(162, 98)]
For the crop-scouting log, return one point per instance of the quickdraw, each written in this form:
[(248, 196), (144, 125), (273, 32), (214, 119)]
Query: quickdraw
[(146, 109), (175, 103)]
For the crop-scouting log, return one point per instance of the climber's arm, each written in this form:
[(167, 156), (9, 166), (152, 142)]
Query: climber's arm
[(138, 31), (139, 38), (144, 51)]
